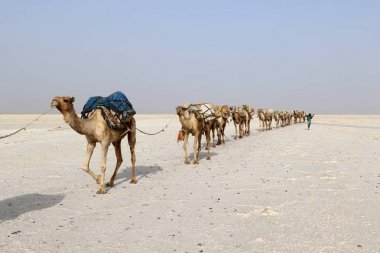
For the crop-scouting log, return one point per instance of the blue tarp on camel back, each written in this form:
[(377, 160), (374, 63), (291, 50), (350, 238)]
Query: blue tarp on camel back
[(116, 102)]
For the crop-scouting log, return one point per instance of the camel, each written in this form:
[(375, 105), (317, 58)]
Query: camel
[(298, 116), (303, 116), (239, 116), (265, 118), (95, 129), (195, 123), (288, 118), (249, 115), (222, 113), (276, 116), (283, 118), (261, 116)]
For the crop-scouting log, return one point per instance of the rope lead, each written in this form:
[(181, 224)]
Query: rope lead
[(24, 128)]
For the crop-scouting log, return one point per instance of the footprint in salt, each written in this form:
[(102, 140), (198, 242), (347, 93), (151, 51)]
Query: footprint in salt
[(267, 211), (331, 162)]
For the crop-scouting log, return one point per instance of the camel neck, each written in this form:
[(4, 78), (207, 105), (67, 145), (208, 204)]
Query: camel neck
[(186, 122), (76, 123)]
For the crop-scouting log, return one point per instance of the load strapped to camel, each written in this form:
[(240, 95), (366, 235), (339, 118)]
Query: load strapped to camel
[(203, 111), (116, 109), (250, 110)]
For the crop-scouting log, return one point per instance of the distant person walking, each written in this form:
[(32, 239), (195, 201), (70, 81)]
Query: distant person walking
[(308, 118)]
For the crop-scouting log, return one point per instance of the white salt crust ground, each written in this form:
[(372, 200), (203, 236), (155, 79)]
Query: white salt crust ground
[(285, 190)]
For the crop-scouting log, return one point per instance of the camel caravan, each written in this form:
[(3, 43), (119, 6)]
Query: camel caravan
[(205, 118), (107, 120)]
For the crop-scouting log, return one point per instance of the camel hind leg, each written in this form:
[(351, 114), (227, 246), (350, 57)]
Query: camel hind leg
[(119, 161), (236, 131), (132, 143), (207, 144)]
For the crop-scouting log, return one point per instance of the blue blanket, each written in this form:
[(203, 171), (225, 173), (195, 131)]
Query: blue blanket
[(116, 102)]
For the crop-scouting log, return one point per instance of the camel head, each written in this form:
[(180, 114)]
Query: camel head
[(225, 111), (179, 111), (63, 104)]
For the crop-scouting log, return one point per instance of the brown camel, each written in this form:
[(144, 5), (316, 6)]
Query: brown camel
[(95, 129), (222, 113), (239, 118), (249, 115), (195, 123)]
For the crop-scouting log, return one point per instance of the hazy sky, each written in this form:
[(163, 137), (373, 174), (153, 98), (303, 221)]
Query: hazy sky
[(321, 56)]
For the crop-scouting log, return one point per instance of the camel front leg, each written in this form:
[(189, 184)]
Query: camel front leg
[(224, 128), (213, 134), (219, 135), (208, 139), (240, 130), (86, 162), (187, 158), (236, 131), (102, 187), (119, 161), (196, 147)]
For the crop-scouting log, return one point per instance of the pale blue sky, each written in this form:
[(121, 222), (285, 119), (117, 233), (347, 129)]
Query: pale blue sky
[(321, 56)]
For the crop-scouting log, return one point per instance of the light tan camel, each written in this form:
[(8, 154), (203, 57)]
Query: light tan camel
[(276, 117), (195, 124), (265, 118), (261, 116), (283, 118), (95, 129), (239, 118), (222, 113), (303, 116), (249, 115)]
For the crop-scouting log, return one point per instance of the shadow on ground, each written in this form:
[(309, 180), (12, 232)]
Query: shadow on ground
[(140, 171), (12, 208)]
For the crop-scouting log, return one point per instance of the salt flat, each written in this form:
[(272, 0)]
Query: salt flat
[(285, 190)]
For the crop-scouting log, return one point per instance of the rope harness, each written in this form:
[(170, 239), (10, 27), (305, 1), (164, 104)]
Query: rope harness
[(162, 130)]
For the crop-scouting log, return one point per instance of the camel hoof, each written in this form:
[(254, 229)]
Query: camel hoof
[(195, 162), (208, 158), (101, 191), (187, 162), (240, 137), (133, 181), (110, 184)]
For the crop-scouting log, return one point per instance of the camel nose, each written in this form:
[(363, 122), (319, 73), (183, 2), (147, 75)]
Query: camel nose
[(54, 103)]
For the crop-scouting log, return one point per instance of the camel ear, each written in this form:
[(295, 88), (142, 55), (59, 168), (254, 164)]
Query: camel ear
[(72, 99)]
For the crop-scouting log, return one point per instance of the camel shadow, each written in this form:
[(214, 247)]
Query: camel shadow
[(203, 155), (140, 172), (12, 208)]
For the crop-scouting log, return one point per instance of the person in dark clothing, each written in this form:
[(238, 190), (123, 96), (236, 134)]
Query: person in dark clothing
[(308, 118)]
